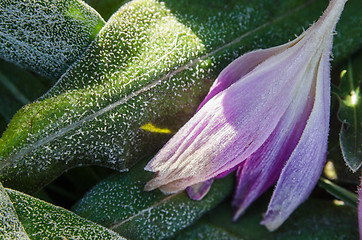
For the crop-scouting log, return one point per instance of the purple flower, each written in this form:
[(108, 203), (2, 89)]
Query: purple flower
[(267, 117)]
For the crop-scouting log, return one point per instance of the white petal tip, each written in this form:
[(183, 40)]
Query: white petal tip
[(272, 220), (148, 168), (240, 211), (149, 186)]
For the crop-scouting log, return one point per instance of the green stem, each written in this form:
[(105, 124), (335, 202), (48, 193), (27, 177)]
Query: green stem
[(339, 192)]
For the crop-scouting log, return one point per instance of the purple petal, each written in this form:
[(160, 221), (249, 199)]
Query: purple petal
[(262, 169), (224, 174), (232, 125), (240, 67), (199, 190), (305, 165)]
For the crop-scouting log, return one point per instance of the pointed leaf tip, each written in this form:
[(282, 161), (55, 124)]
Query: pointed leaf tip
[(42, 220)]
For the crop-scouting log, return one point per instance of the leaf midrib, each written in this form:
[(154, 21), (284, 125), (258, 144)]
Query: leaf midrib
[(31, 147), (150, 208)]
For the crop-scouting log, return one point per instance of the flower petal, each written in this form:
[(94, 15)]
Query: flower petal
[(199, 190), (262, 169), (242, 66), (240, 119), (305, 165)]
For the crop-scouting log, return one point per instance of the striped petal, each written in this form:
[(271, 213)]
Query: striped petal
[(303, 168), (244, 64), (267, 115), (232, 125), (262, 169)]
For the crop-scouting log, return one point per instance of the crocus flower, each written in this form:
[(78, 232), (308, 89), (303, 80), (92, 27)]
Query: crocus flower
[(267, 117)]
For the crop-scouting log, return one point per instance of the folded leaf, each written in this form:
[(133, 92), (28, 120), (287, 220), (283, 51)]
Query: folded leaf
[(350, 112), (120, 204), (315, 219), (147, 70), (46, 36), (10, 226), (43, 220)]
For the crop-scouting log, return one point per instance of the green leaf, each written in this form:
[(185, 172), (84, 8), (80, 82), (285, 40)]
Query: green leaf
[(348, 27), (120, 204), (46, 36), (315, 219), (343, 194), (10, 226), (350, 112), (106, 7), (43, 220), (140, 80)]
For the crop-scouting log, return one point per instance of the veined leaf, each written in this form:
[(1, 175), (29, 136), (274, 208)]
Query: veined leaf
[(146, 66), (314, 219), (10, 226), (119, 203), (43, 220), (46, 36), (350, 112), (97, 108)]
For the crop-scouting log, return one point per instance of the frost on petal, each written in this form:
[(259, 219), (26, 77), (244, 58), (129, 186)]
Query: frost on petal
[(305, 165), (222, 134), (262, 169)]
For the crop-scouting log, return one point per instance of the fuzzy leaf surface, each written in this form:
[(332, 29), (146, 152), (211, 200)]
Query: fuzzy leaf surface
[(119, 203), (43, 220), (46, 36), (10, 226), (151, 65)]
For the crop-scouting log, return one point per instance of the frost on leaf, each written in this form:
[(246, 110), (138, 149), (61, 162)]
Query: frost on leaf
[(146, 67), (120, 203), (133, 74), (43, 220), (10, 226), (46, 36)]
